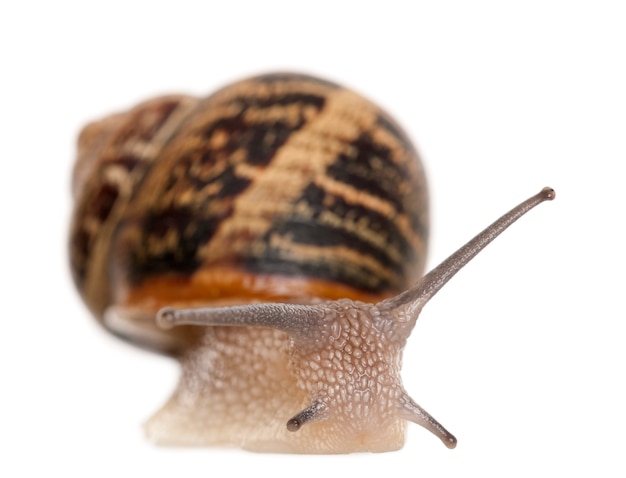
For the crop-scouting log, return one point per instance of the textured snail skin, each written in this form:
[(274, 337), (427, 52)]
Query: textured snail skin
[(351, 369), (281, 226), (347, 356)]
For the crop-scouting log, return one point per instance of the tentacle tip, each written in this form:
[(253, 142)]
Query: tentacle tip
[(548, 194), (449, 442), (294, 425), (166, 318)]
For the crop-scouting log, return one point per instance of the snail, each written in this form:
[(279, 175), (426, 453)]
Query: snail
[(271, 237)]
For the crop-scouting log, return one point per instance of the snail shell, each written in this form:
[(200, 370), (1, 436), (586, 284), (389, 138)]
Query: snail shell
[(281, 187), (295, 213)]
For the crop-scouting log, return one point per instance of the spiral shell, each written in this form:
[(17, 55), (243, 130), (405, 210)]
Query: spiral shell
[(279, 187)]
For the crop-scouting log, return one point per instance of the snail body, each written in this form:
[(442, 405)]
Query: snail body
[(271, 237)]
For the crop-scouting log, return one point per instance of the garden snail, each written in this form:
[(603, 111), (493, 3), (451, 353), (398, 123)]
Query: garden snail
[(270, 236)]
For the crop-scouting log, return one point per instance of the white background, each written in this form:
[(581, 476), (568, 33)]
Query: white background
[(522, 356)]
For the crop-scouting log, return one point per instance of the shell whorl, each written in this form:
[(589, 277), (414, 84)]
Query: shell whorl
[(113, 155)]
